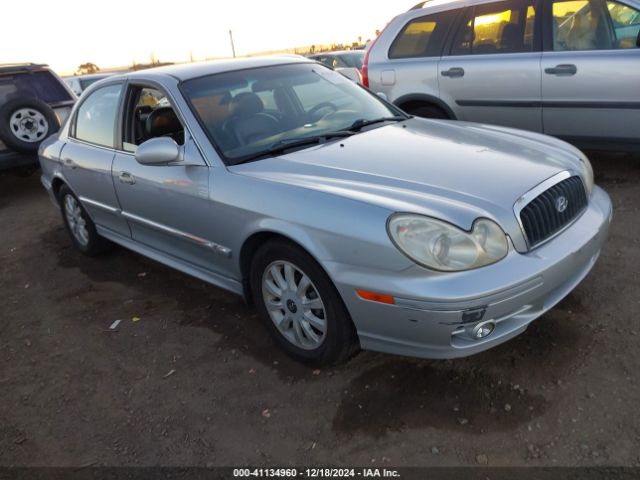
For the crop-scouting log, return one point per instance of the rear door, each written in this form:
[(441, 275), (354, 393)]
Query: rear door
[(408, 70), (491, 73), (591, 71), (88, 155)]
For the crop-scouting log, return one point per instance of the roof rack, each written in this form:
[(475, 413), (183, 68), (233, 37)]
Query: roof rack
[(419, 6), (11, 67)]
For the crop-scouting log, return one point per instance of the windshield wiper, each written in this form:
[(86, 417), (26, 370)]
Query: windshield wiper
[(361, 123), (281, 146)]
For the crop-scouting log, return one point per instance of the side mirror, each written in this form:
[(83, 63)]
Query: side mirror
[(383, 96), (158, 151)]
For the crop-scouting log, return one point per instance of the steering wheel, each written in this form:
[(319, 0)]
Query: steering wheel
[(311, 113)]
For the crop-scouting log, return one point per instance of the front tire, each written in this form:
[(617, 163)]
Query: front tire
[(300, 305), (79, 225)]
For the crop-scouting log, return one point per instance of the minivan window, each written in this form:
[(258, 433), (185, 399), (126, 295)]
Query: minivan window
[(586, 25), (96, 117), (423, 37), (576, 26), (505, 27), (626, 24)]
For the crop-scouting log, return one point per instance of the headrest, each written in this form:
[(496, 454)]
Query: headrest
[(162, 121), (246, 104)]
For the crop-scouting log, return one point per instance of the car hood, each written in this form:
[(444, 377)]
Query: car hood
[(454, 171)]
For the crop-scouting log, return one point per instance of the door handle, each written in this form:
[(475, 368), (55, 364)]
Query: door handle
[(454, 72), (70, 163), (562, 70), (126, 178)]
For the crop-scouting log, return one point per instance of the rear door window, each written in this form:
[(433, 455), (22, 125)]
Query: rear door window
[(505, 27), (423, 37), (96, 117)]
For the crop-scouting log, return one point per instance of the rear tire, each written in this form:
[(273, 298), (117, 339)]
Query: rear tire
[(79, 225), (305, 314)]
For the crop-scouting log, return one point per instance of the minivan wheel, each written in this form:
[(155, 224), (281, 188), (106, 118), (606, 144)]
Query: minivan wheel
[(428, 111), (300, 305), (25, 123), (80, 227)]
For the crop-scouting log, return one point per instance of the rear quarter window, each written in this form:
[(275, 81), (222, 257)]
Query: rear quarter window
[(8, 89), (41, 85), (423, 36)]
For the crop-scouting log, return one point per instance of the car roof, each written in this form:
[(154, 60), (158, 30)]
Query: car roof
[(201, 69)]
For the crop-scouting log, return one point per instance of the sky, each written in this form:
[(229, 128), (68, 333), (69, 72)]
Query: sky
[(111, 33)]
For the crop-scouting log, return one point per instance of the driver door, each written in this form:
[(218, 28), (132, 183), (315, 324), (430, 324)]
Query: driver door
[(166, 206)]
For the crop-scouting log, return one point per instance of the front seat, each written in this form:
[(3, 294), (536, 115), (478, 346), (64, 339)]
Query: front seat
[(248, 122), (512, 39), (163, 122)]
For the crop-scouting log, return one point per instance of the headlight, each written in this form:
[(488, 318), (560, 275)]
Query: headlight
[(440, 246)]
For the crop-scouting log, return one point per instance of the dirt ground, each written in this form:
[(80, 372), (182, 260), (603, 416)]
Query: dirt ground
[(197, 381)]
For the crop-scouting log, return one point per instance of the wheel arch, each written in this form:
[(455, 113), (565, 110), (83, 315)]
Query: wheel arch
[(56, 185), (424, 99), (251, 246)]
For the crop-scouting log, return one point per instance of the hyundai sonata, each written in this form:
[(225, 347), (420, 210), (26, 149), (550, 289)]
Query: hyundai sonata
[(345, 221)]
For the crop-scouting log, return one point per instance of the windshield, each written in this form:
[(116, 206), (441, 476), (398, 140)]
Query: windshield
[(246, 112), (355, 59), (85, 82)]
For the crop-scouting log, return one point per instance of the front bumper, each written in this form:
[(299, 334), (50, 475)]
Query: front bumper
[(427, 317)]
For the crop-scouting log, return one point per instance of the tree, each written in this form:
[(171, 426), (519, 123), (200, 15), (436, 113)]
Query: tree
[(87, 68)]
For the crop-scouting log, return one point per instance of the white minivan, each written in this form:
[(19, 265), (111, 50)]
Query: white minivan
[(568, 68)]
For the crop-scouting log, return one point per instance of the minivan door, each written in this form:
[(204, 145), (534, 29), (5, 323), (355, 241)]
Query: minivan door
[(491, 73), (591, 71)]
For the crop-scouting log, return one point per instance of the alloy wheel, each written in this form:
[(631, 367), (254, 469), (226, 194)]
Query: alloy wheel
[(294, 305), (77, 223)]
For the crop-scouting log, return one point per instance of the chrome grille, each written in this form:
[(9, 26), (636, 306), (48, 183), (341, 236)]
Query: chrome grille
[(553, 210)]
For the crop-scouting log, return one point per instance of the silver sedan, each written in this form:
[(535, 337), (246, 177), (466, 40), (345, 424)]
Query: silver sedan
[(345, 221)]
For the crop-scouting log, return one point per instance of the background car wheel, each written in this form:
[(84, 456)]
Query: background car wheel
[(80, 227), (428, 111), (25, 123), (300, 305)]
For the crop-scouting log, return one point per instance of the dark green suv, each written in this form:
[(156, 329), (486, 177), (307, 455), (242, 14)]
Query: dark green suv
[(34, 102)]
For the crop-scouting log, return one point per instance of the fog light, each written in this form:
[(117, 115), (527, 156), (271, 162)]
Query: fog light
[(483, 330)]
